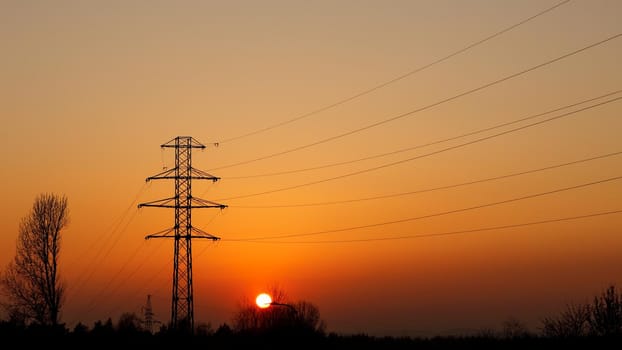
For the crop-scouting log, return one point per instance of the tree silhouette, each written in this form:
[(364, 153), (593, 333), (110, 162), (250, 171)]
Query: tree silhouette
[(283, 317), (308, 318), (31, 282), (606, 313), (514, 328), (601, 318), (129, 323), (572, 322)]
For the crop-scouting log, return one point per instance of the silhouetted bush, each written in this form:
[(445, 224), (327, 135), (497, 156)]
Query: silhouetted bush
[(606, 313), (283, 318), (601, 318), (573, 322)]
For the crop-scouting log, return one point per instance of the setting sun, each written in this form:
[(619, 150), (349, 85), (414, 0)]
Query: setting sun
[(263, 300)]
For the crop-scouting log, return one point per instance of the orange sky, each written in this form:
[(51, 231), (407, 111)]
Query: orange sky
[(90, 90)]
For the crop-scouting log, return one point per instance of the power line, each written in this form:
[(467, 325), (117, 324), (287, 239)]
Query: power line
[(422, 155), (425, 144), (158, 271), (93, 303), (116, 229), (430, 189), (113, 227), (110, 248), (480, 206), (421, 109), (437, 234), (396, 79)]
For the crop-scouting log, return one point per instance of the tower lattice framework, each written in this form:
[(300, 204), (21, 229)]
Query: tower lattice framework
[(182, 308), (148, 320)]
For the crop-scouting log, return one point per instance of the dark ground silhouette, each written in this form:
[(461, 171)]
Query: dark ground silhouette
[(106, 336), (594, 325)]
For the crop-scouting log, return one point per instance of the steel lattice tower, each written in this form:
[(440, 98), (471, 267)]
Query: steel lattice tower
[(148, 320), (182, 310)]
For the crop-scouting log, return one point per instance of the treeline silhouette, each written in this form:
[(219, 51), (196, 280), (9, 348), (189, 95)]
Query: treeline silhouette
[(594, 324), (106, 335)]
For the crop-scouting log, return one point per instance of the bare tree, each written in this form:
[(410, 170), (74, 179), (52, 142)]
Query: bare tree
[(31, 282), (129, 323), (308, 317), (284, 317), (247, 318), (250, 319), (606, 313), (572, 322), (603, 317), (514, 328)]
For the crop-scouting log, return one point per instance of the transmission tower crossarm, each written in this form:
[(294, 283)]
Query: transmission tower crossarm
[(174, 143), (203, 203), (161, 234), (202, 234), (196, 174), (167, 174), (202, 175), (160, 203), (194, 203)]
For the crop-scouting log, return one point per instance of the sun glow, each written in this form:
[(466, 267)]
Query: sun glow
[(263, 300)]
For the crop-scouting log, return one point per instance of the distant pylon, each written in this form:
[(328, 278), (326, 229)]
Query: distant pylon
[(148, 320), (182, 309)]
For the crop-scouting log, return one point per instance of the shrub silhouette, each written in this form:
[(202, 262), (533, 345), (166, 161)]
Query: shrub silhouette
[(606, 313), (601, 318), (283, 318)]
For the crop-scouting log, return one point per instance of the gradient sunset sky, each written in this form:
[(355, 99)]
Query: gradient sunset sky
[(392, 162)]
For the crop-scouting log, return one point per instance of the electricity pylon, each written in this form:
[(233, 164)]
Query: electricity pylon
[(148, 320), (182, 310)]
